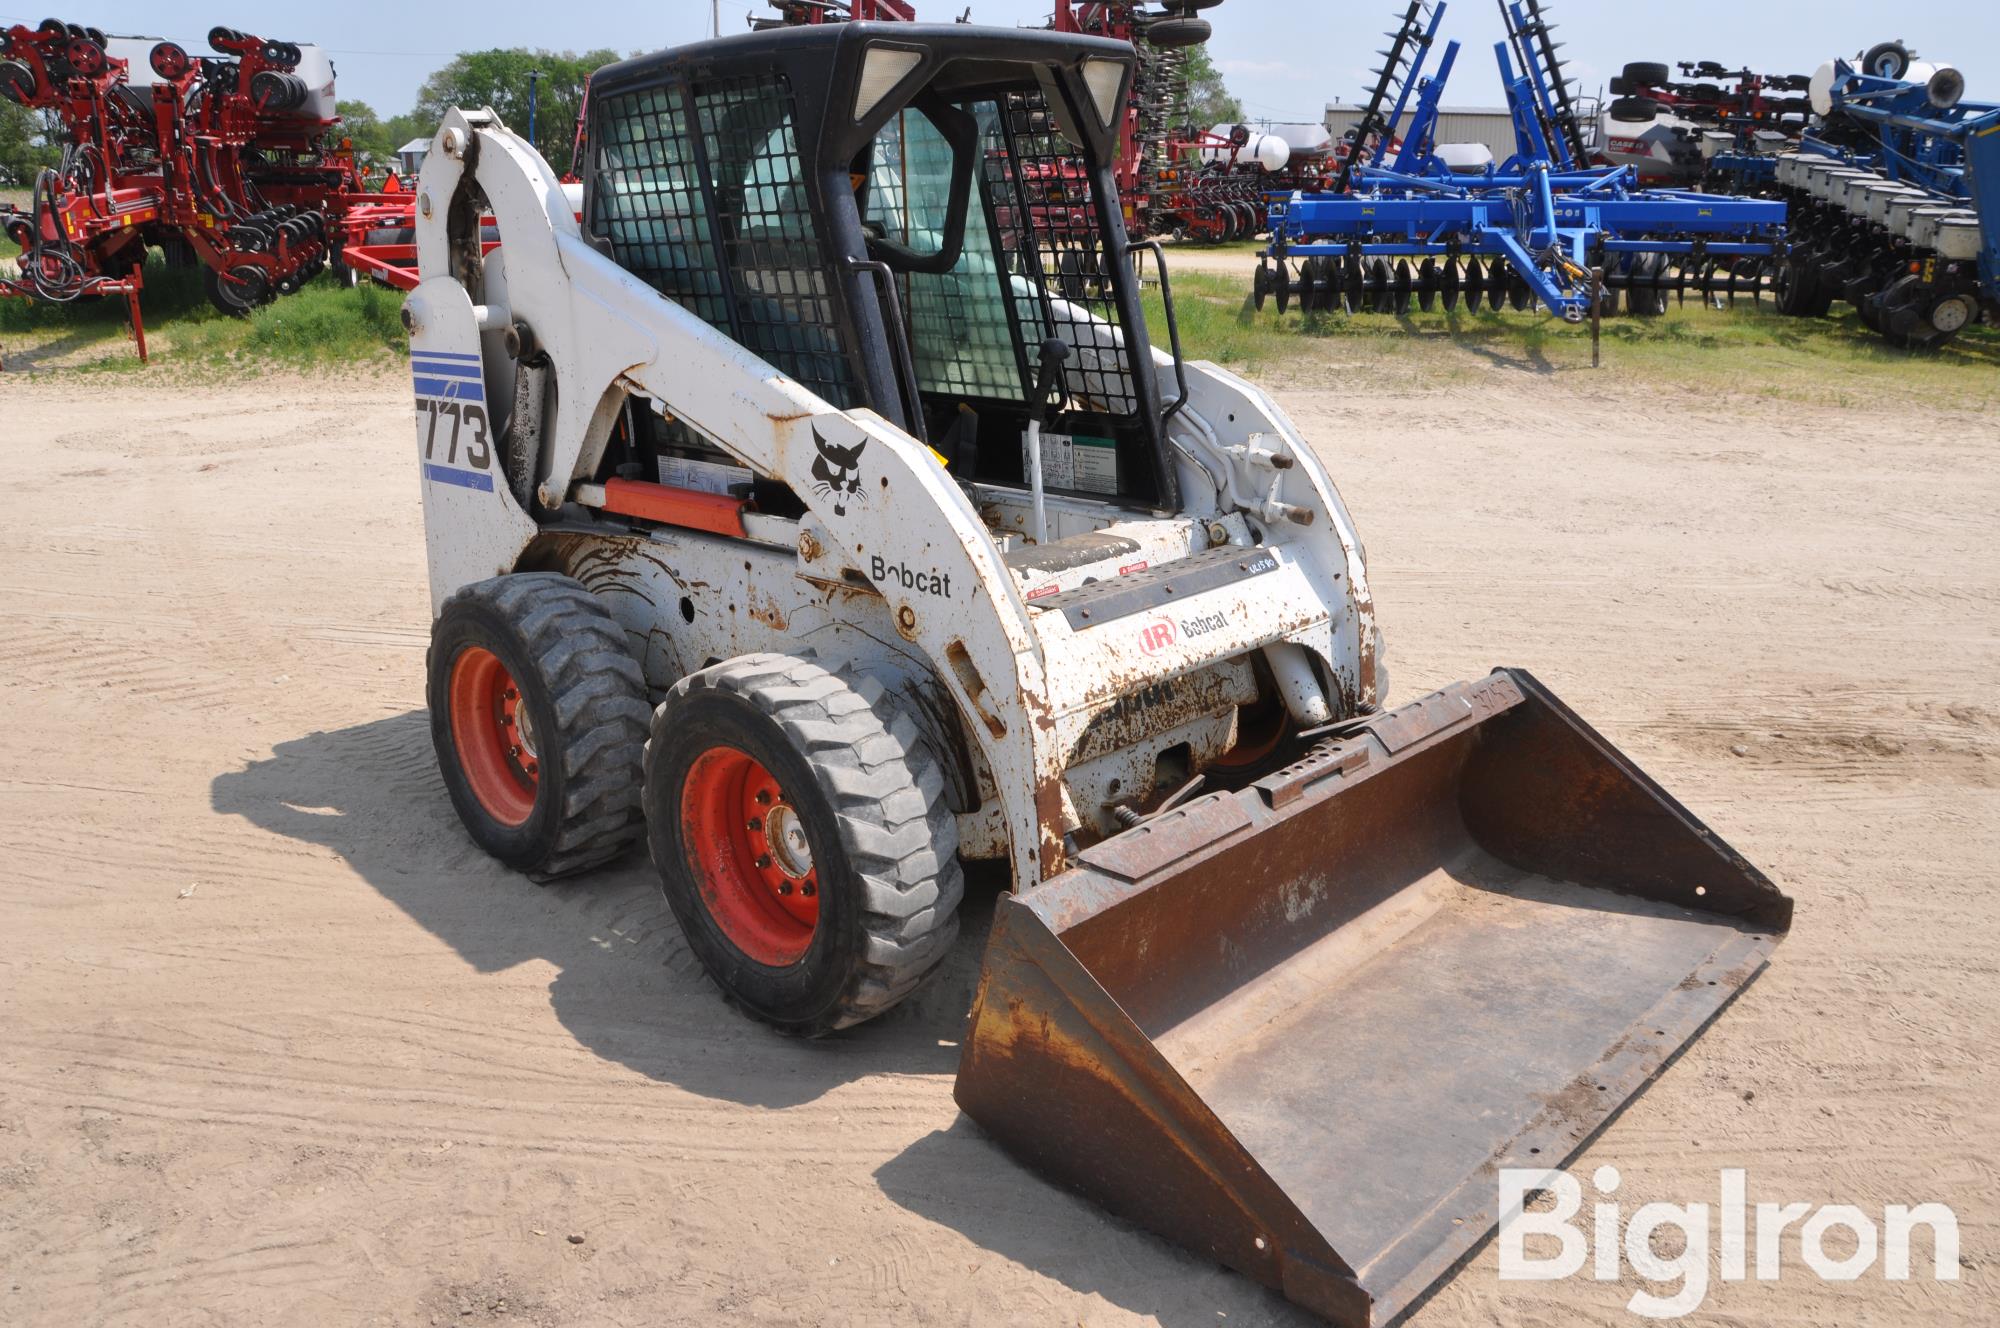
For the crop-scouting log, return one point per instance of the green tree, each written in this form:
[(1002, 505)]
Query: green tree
[(24, 145), (499, 79), (1208, 100), (365, 129), (402, 128)]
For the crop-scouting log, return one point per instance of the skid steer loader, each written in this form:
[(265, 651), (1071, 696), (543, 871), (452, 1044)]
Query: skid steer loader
[(815, 506)]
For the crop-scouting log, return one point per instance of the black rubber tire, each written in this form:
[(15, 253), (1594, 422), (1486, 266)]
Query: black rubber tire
[(1635, 110), (1171, 33), (1797, 290), (587, 701), (1646, 301), (1620, 86), (1647, 74), (1886, 60), (870, 796)]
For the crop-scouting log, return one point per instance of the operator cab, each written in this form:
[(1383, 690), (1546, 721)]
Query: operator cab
[(919, 220)]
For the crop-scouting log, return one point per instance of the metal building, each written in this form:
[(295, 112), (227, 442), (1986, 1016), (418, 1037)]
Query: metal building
[(1492, 126)]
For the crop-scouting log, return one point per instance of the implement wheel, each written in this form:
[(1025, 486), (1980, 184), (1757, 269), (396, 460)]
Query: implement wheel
[(538, 714), (1172, 33), (237, 293), (799, 828)]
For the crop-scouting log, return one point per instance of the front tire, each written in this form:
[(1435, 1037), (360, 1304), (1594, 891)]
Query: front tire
[(538, 715), (799, 828)]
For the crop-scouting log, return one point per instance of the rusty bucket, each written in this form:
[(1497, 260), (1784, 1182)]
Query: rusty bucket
[(1300, 1027)]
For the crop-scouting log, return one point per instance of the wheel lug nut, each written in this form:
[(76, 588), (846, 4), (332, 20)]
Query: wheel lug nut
[(808, 889), (764, 862), (785, 889), (764, 796), (756, 823)]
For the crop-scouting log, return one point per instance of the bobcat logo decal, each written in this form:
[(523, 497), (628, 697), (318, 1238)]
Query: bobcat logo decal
[(836, 473)]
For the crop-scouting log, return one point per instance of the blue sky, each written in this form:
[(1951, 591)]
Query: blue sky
[(1285, 58)]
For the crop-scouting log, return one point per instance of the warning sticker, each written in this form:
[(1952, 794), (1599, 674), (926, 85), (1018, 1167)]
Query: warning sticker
[(702, 476), (1077, 461)]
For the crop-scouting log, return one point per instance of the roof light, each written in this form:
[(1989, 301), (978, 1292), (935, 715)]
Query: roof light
[(1105, 78), (882, 68)]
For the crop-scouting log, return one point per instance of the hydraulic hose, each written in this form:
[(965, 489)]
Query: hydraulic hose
[(53, 266)]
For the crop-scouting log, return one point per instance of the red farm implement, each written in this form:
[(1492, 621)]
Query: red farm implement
[(1174, 177), (230, 161)]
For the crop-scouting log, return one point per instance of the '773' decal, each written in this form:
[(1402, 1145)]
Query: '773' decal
[(458, 429)]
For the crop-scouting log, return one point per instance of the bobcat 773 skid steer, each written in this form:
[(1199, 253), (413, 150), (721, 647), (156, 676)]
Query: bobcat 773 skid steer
[(817, 508)]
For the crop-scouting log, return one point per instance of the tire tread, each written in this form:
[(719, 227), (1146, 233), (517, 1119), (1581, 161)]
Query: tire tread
[(598, 695), (887, 792)]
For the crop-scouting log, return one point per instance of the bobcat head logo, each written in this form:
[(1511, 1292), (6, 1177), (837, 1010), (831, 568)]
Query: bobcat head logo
[(836, 473)]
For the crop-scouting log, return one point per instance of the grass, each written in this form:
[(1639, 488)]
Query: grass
[(321, 325), (1833, 360)]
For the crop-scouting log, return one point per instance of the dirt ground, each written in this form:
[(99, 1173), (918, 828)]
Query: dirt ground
[(283, 1048)]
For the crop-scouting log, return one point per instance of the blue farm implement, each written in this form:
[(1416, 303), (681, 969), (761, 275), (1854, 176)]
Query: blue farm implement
[(1425, 223), (1897, 200)]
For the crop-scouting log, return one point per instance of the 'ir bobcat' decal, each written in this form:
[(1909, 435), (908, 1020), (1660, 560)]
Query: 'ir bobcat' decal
[(836, 473)]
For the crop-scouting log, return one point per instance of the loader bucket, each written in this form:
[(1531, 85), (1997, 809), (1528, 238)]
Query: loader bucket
[(1300, 1027)]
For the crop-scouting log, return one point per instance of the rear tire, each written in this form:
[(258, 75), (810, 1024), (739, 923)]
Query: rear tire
[(538, 714), (737, 746), (1647, 74)]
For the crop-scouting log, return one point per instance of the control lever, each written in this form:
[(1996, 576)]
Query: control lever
[(1054, 353)]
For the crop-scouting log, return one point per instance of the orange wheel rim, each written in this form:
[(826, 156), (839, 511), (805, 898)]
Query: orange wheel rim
[(747, 847), (493, 736)]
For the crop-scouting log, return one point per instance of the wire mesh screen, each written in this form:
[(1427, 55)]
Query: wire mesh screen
[(779, 267), (1045, 206), (701, 195), (649, 204)]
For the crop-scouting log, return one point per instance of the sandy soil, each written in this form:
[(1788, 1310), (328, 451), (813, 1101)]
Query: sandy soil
[(282, 1048)]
